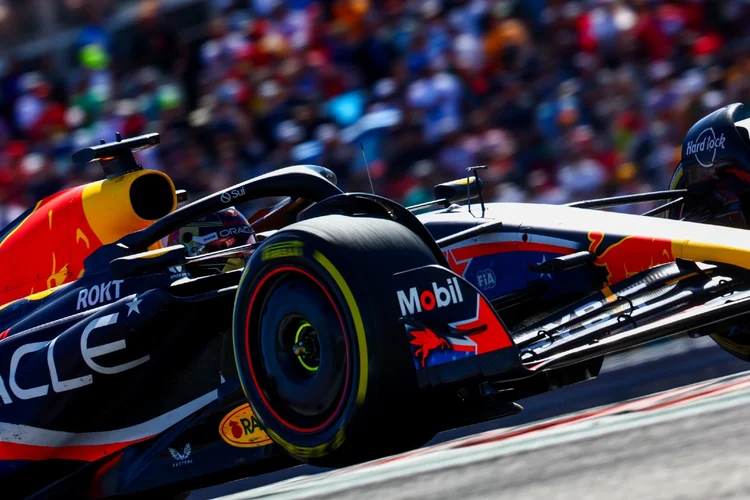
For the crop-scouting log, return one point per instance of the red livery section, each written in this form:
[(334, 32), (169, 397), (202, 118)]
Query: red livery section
[(484, 331), (460, 258), (85, 453), (47, 248)]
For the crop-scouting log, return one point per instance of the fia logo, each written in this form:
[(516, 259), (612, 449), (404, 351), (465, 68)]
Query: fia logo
[(486, 279), (181, 458)]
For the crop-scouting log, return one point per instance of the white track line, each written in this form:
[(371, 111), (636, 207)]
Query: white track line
[(328, 484)]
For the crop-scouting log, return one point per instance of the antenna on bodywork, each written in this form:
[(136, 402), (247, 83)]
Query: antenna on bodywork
[(367, 167), (475, 170)]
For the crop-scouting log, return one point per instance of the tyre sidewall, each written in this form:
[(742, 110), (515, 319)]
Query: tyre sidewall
[(362, 302)]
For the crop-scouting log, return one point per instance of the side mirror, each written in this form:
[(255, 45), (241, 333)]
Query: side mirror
[(147, 262), (458, 190)]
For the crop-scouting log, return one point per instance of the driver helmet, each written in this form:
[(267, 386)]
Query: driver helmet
[(224, 229)]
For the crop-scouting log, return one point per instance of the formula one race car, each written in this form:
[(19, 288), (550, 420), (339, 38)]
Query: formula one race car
[(332, 328)]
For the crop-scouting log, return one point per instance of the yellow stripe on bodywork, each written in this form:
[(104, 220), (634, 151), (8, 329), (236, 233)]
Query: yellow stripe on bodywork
[(43, 293), (358, 324), (700, 251), (152, 254), (672, 282), (3, 306)]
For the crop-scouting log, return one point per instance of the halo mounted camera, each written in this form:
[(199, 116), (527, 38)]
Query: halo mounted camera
[(116, 158)]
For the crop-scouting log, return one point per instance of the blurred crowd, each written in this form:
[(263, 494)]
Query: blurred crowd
[(561, 99)]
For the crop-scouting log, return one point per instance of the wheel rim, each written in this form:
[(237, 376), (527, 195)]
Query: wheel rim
[(298, 353), (307, 346)]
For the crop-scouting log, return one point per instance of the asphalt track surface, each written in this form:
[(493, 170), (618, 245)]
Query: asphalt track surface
[(666, 421)]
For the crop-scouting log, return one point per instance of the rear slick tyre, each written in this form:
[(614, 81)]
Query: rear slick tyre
[(323, 360), (735, 343)]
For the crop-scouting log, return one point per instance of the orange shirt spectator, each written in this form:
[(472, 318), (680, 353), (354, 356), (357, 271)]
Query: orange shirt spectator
[(505, 32), (351, 14)]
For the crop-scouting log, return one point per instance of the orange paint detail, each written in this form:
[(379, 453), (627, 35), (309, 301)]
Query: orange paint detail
[(427, 341), (630, 256), (81, 236), (57, 278)]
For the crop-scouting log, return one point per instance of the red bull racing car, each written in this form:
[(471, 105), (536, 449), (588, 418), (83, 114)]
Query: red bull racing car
[(130, 366)]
